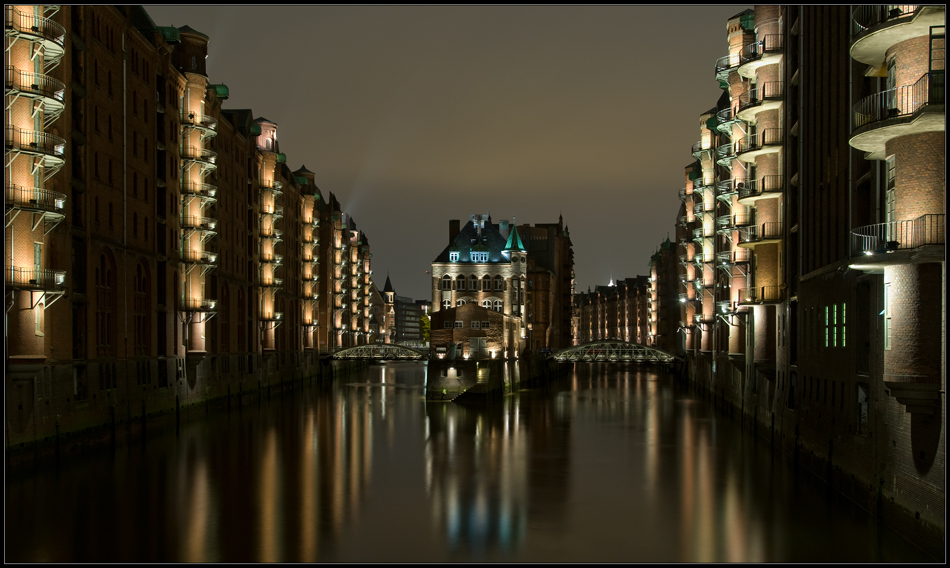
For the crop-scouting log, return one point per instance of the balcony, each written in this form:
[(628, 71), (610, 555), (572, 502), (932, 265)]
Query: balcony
[(271, 233), (271, 258), (204, 191), (195, 223), (761, 295), (900, 242), (767, 96), (272, 282), (704, 319), (40, 29), (700, 148), (18, 278), (200, 257), (766, 141), (206, 124), (726, 307), (49, 148), (35, 199), (764, 234), (38, 86), (766, 187), (911, 109), (766, 51), (272, 316), (700, 187), (273, 186), (725, 154), (698, 235), (876, 28), (726, 65), (725, 189), (726, 118), (197, 305), (273, 210), (202, 156)]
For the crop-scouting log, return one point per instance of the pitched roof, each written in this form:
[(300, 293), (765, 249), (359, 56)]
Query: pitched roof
[(514, 240), (467, 240), (389, 286)]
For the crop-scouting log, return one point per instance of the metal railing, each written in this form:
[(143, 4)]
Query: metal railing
[(760, 294), (727, 62), (33, 279), (275, 210), (270, 233), (756, 187), (197, 305), (901, 101), (200, 189), (199, 120), (863, 18), (770, 43), (744, 218), (35, 198), (698, 148), (899, 235), (197, 256), (26, 23), (35, 83), (272, 282), (197, 154), (272, 258), (35, 141), (726, 117), (195, 222), (766, 91), (762, 232), (725, 187), (761, 139)]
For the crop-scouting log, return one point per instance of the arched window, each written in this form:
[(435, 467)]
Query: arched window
[(446, 304), (460, 282), (499, 283), (142, 311), (105, 306), (486, 304), (446, 282), (499, 306), (473, 282), (486, 283), (460, 303)]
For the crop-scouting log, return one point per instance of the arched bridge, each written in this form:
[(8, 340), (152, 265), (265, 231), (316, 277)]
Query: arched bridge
[(385, 351), (612, 350)]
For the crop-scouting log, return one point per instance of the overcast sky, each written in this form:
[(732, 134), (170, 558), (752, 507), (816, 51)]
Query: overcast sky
[(417, 115)]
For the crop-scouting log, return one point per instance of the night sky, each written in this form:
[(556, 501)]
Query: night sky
[(417, 115)]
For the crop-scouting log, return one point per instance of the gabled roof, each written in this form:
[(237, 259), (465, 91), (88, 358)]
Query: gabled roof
[(467, 240)]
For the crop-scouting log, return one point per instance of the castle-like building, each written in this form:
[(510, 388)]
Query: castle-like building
[(159, 250)]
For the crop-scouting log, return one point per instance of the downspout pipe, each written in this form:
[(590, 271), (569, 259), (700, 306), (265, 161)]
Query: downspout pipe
[(125, 187)]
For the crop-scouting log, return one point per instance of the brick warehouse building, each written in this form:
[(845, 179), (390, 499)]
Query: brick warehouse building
[(166, 236), (812, 254)]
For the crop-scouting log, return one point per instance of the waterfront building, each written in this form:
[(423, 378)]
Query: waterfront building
[(813, 240), (619, 310), (165, 234), (550, 285), (403, 323)]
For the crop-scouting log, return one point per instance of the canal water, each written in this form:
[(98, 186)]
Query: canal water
[(613, 463)]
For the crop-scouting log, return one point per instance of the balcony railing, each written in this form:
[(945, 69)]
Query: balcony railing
[(770, 90), (26, 23), (901, 101), (758, 187), (35, 142), (272, 282), (200, 120), (725, 189), (198, 223), (743, 218), (271, 233), (198, 256), (197, 305), (726, 117), (35, 83), (899, 235), (761, 139), (275, 210), (196, 154), (760, 294), (727, 63), (699, 147), (33, 279), (765, 231), (35, 198), (272, 258), (207, 190), (864, 18), (682, 220), (770, 43), (726, 306)]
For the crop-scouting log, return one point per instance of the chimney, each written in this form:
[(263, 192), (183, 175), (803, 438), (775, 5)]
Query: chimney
[(503, 228), (454, 228)]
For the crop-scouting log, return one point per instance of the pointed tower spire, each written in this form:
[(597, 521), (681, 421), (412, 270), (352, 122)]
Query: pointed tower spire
[(514, 240)]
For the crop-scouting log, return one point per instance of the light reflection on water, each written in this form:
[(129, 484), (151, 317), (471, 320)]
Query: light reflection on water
[(616, 463)]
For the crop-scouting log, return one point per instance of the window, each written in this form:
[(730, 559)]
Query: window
[(887, 315), (826, 326), (485, 324), (834, 328), (890, 196), (475, 325), (449, 325), (446, 282), (486, 284), (460, 303), (454, 256), (486, 304), (458, 325), (499, 306), (479, 256), (499, 283), (194, 63), (446, 304), (473, 282)]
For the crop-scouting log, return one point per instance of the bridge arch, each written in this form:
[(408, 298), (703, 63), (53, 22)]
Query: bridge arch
[(612, 350), (385, 351)]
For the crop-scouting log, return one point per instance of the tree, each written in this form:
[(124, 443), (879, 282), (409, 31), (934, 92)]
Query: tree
[(424, 326)]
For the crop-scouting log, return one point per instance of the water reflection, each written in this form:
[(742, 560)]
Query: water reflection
[(614, 464)]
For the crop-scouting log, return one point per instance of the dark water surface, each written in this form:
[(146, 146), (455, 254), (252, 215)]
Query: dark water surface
[(615, 463)]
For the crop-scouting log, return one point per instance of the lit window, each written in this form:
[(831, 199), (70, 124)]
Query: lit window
[(446, 304), (479, 257), (486, 304), (453, 256), (499, 306)]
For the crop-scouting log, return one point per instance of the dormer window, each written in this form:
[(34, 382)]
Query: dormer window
[(454, 256), (479, 256)]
